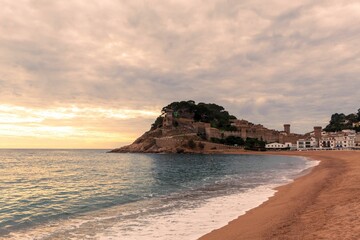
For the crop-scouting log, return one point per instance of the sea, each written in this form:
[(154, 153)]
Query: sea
[(92, 194)]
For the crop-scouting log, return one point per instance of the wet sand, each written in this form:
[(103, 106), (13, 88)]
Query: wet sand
[(324, 204)]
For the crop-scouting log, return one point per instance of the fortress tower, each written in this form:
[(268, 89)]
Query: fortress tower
[(317, 132), (287, 129), (168, 118)]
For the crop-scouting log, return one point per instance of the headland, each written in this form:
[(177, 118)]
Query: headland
[(187, 127)]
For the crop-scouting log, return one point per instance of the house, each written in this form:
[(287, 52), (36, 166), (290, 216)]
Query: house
[(357, 139), (306, 144), (276, 145), (338, 140)]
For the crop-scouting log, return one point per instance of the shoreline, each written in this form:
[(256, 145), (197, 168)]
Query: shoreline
[(322, 204)]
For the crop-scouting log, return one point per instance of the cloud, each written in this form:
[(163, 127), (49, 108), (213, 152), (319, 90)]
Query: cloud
[(270, 62)]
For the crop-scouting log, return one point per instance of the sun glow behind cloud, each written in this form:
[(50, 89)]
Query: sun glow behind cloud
[(66, 126), (76, 73)]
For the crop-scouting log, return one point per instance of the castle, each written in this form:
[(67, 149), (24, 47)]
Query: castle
[(244, 129), (208, 127)]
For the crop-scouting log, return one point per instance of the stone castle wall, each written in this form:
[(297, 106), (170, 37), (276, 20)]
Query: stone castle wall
[(266, 135), (293, 138), (245, 130), (231, 133), (169, 142), (212, 133), (215, 146)]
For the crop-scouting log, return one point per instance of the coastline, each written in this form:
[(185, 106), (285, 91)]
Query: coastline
[(323, 204)]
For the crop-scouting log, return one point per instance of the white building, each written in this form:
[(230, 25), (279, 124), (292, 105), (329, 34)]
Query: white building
[(276, 145), (357, 139), (338, 140), (289, 145), (306, 144)]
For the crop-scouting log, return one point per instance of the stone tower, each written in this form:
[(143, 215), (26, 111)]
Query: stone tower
[(287, 129), (168, 118), (317, 132)]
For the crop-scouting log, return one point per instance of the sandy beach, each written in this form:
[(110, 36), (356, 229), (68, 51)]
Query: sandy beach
[(324, 204)]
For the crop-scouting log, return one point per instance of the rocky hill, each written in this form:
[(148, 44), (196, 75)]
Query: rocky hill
[(176, 129), (189, 127)]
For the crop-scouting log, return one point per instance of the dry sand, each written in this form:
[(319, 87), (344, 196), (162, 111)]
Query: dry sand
[(324, 204)]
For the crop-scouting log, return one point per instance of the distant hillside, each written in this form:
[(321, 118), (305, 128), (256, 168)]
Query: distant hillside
[(201, 112), (340, 121)]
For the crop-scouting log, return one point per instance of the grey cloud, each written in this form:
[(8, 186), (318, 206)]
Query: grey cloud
[(270, 62)]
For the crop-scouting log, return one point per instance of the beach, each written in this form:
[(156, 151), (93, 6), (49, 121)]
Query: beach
[(323, 204)]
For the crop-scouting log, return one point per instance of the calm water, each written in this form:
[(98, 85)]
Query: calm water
[(90, 194)]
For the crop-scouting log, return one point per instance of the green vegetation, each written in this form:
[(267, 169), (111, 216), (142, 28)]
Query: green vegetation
[(232, 141), (248, 143), (202, 112), (340, 121), (158, 123), (255, 144)]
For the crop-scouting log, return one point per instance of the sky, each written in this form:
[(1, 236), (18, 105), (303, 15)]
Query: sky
[(95, 74)]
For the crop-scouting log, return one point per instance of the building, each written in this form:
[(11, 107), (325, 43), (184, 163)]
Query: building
[(306, 144), (290, 145), (279, 146), (322, 140), (357, 139), (275, 145), (287, 137), (338, 140), (243, 129), (168, 118), (246, 129)]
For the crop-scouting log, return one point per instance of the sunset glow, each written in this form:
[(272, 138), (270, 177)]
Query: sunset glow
[(96, 74), (41, 128)]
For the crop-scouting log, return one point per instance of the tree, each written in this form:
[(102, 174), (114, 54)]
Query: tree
[(340, 121), (232, 140), (255, 144), (336, 122), (203, 112), (158, 123)]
